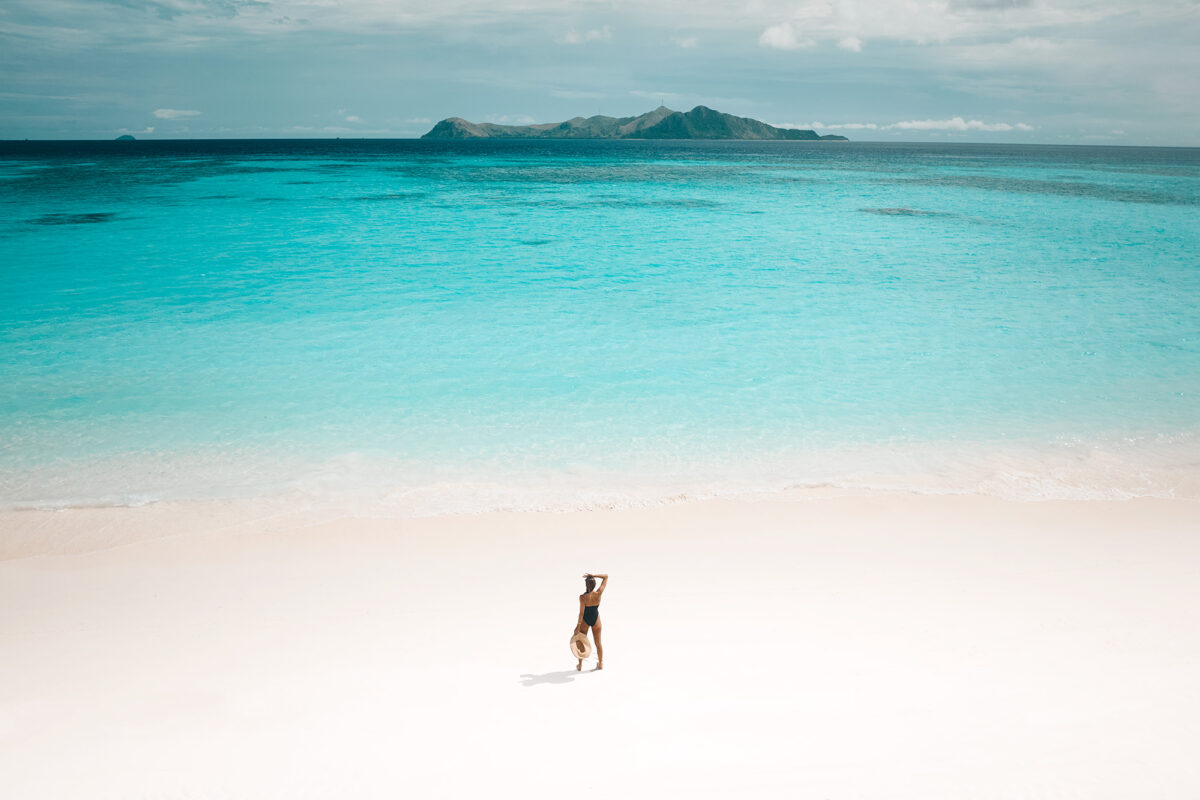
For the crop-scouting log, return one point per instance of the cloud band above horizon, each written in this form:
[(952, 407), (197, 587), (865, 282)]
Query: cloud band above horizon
[(1052, 70)]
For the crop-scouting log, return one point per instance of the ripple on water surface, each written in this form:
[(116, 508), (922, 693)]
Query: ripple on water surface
[(694, 318)]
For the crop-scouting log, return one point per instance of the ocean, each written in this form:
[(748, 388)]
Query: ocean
[(433, 327)]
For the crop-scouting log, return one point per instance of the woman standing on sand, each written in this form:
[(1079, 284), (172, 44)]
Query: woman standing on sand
[(589, 615)]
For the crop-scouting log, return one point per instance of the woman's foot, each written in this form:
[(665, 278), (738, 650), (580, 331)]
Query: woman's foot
[(600, 665), (579, 666)]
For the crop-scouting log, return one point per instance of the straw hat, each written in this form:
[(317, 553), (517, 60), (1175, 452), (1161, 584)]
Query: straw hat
[(580, 646)]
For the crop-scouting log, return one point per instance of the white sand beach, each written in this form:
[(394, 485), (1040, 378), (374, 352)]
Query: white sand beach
[(815, 645)]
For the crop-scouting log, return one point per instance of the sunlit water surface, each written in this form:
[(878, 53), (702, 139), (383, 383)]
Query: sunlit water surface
[(458, 326)]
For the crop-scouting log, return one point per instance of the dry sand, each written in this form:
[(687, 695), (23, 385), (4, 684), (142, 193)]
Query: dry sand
[(810, 646)]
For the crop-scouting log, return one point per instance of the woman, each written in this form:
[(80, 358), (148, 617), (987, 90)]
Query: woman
[(589, 615)]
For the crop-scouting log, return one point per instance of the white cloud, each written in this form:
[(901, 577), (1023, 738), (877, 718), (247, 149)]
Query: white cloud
[(174, 113), (511, 119), (784, 36), (956, 124), (686, 42), (851, 43), (418, 121), (989, 5), (833, 20), (1024, 50), (327, 129), (353, 118), (594, 35)]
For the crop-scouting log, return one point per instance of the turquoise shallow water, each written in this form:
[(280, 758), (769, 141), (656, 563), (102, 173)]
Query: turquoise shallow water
[(456, 326)]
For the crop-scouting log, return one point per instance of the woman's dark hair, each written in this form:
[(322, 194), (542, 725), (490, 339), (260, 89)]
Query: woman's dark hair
[(590, 583)]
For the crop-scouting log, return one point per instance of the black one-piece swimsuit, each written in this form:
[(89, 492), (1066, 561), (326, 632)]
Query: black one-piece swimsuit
[(591, 614)]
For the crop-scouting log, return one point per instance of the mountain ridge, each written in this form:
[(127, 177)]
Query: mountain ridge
[(661, 123)]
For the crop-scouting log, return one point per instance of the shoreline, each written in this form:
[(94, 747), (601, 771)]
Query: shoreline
[(1112, 468), (32, 532)]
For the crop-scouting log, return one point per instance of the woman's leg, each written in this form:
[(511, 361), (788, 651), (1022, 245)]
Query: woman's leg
[(583, 628), (599, 647)]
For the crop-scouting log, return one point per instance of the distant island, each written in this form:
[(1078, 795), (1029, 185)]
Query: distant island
[(125, 137), (661, 123)]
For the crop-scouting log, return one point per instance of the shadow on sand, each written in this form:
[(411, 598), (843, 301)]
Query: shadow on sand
[(550, 678)]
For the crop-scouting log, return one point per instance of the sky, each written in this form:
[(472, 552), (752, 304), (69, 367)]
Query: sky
[(1047, 71)]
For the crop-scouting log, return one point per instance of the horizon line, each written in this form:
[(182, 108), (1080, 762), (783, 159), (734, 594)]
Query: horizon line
[(136, 140)]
